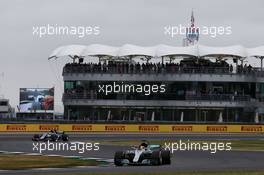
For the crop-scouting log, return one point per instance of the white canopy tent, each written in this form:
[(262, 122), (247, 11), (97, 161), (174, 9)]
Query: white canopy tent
[(257, 52), (99, 49), (158, 51), (69, 50), (235, 51), (171, 52), (165, 50), (130, 50)]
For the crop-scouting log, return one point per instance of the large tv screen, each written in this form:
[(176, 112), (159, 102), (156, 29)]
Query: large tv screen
[(36, 99)]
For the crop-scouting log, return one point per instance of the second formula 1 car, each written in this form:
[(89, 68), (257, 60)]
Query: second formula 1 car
[(51, 136), (144, 154)]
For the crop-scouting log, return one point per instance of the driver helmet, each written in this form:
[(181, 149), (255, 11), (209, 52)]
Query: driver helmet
[(143, 145)]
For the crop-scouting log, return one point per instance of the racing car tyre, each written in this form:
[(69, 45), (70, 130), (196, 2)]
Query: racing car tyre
[(53, 137), (65, 137), (165, 157), (119, 156), (156, 158), (35, 137)]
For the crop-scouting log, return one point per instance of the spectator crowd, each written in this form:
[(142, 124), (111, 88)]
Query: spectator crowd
[(136, 68)]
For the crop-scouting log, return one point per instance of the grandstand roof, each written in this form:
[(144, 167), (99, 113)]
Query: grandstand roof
[(128, 49), (99, 49), (69, 50), (256, 52), (157, 51), (236, 50), (165, 50)]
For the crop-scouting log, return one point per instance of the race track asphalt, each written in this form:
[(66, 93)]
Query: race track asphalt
[(181, 160)]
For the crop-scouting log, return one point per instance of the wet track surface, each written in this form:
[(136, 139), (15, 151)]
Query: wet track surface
[(181, 160)]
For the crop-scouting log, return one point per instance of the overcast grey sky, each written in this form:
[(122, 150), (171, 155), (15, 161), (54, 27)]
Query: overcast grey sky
[(24, 56)]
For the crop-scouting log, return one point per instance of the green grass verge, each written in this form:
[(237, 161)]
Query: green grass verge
[(18, 162)]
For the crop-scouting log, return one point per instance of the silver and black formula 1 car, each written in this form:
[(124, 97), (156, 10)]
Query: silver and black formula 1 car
[(144, 154), (51, 136)]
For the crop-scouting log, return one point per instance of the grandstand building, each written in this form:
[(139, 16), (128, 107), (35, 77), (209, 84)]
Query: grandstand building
[(163, 83)]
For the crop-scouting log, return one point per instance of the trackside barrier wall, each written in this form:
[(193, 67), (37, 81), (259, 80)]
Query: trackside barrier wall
[(177, 128)]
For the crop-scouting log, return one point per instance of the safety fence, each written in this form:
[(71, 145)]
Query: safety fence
[(138, 128)]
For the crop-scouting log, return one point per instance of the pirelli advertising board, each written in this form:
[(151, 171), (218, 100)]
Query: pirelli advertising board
[(82, 127), (149, 128), (182, 128), (16, 127)]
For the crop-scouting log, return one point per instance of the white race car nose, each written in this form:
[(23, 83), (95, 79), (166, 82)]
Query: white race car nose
[(137, 155), (43, 136)]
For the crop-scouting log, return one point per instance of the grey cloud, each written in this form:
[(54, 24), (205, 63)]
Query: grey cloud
[(24, 57)]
